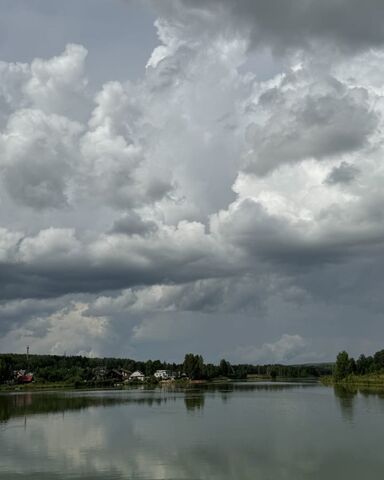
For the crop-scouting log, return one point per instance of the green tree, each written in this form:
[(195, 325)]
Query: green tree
[(149, 368), (3, 370), (225, 368), (361, 365), (378, 359), (352, 366), (193, 366), (343, 365)]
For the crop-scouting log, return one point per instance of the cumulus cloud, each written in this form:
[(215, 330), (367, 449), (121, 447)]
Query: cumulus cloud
[(66, 331), (18, 312), (212, 188), (52, 157), (303, 118), (281, 351), (38, 153), (58, 85), (13, 77), (248, 293), (56, 261)]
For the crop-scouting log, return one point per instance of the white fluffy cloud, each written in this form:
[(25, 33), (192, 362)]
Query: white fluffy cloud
[(38, 156), (58, 85)]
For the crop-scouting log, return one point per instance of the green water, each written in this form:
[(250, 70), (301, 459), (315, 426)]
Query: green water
[(238, 431)]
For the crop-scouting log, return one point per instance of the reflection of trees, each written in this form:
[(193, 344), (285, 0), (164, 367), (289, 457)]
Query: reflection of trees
[(194, 402), (30, 404), (194, 395), (347, 394), (228, 388), (369, 391), (21, 404), (346, 397)]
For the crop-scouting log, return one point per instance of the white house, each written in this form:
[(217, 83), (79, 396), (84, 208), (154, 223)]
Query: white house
[(164, 374), (137, 376)]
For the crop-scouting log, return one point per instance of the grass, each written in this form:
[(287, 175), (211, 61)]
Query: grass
[(371, 379), (35, 386)]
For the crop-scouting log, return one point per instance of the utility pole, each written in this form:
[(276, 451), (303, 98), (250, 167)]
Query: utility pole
[(27, 357)]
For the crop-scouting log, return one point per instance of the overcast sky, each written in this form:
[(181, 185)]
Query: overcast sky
[(192, 176)]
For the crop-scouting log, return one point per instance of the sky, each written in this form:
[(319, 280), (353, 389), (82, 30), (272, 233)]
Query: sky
[(192, 176)]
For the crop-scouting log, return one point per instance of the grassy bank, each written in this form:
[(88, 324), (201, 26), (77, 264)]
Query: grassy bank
[(35, 386), (368, 380)]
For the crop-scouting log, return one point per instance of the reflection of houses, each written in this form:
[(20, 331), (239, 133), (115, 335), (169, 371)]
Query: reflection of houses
[(137, 376), (165, 374)]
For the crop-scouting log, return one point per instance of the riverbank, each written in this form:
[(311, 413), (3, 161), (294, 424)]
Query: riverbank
[(38, 386), (370, 380)]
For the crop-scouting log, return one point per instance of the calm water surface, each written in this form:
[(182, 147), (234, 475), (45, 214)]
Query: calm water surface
[(239, 431)]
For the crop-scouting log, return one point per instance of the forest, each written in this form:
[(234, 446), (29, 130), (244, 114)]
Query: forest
[(346, 366)]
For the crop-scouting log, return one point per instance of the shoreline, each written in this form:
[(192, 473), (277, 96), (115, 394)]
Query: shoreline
[(181, 383), (371, 380), (31, 387)]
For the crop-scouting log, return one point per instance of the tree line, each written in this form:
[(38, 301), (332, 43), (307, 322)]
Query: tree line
[(80, 369), (346, 365)]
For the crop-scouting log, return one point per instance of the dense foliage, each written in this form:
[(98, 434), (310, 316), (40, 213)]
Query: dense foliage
[(346, 365), (78, 369)]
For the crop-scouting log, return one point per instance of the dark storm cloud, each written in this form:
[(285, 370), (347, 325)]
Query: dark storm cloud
[(356, 284), (55, 262), (345, 173), (19, 312), (299, 246), (133, 224), (216, 295), (285, 24)]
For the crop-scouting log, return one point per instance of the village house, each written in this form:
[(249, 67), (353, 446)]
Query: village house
[(125, 374), (102, 373), (137, 376), (165, 374)]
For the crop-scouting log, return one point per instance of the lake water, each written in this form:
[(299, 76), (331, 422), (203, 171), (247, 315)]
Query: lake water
[(266, 431)]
